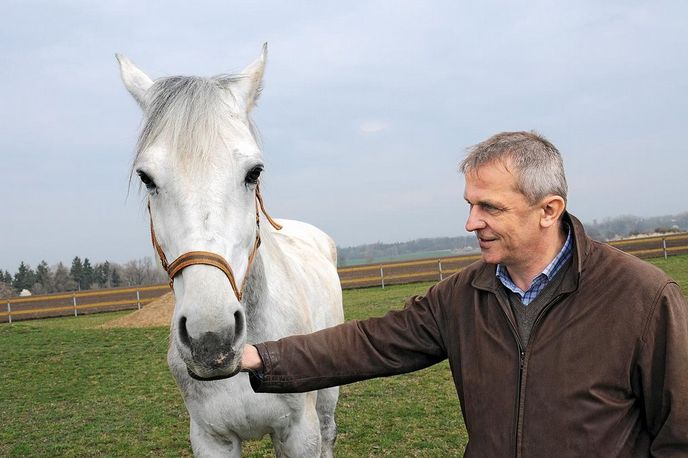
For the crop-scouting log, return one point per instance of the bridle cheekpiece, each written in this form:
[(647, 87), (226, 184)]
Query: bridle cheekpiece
[(211, 259)]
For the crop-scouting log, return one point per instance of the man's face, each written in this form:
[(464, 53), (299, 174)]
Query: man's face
[(507, 226)]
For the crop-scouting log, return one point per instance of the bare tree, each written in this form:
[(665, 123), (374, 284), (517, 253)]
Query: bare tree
[(62, 280), (141, 272), (6, 290)]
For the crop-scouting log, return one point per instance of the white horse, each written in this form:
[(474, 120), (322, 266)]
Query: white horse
[(200, 161)]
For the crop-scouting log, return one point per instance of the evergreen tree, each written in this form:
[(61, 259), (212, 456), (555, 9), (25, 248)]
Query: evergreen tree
[(7, 277), (76, 271), (44, 282), (87, 275), (107, 275), (102, 274), (24, 278), (98, 275), (116, 279)]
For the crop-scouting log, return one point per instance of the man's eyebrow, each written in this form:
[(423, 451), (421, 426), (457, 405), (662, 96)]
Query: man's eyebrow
[(484, 203)]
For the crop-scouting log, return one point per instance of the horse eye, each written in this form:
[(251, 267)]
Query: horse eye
[(146, 179), (253, 175)]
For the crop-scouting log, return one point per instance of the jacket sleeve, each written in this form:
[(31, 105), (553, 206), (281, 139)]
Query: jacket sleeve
[(399, 342), (664, 374)]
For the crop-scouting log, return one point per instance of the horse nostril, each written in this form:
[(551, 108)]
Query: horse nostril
[(238, 323), (183, 333)]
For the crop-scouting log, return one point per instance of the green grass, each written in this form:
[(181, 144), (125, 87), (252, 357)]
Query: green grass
[(676, 267), (69, 388)]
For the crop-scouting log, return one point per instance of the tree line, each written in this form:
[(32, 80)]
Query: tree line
[(370, 252), (629, 225), (606, 230), (82, 275)]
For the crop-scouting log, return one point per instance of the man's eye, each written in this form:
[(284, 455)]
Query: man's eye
[(491, 209), (146, 180), (253, 175)]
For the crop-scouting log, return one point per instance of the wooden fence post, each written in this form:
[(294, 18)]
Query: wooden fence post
[(439, 267), (74, 302), (382, 277), (9, 312), (138, 299)]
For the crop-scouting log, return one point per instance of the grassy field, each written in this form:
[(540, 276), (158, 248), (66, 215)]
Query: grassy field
[(677, 268), (68, 388)]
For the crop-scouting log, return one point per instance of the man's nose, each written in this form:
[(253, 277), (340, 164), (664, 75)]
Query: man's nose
[(474, 222)]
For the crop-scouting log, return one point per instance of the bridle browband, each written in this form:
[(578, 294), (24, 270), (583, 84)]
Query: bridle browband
[(211, 259)]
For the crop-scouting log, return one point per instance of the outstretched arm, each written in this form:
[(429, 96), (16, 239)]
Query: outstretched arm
[(399, 342)]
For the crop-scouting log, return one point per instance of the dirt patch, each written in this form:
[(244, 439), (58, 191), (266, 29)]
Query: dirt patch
[(155, 314)]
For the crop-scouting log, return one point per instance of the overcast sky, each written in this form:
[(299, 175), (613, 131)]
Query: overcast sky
[(367, 109)]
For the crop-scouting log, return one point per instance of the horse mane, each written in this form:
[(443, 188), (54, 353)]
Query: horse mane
[(188, 111)]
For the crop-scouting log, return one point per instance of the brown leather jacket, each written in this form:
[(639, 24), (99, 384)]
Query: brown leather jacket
[(605, 372)]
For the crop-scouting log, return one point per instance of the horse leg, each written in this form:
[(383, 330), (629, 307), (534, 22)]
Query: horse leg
[(205, 444), (301, 437), (325, 406)]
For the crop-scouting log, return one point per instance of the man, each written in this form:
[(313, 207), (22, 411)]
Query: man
[(559, 346)]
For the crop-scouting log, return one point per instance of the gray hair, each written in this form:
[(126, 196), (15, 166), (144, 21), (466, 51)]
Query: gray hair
[(537, 163)]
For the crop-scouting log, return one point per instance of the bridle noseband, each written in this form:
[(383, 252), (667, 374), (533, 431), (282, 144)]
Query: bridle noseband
[(211, 259)]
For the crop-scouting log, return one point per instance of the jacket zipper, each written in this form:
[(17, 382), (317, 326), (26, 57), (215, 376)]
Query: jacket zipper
[(521, 357), (521, 363), (539, 318), (517, 410)]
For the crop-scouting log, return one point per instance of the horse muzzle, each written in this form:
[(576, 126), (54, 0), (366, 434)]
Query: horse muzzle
[(211, 356)]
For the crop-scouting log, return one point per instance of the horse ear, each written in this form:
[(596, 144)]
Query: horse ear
[(251, 80), (136, 82)]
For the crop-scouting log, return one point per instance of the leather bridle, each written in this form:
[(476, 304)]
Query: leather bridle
[(211, 259)]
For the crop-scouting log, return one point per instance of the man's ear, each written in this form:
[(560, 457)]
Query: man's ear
[(552, 208)]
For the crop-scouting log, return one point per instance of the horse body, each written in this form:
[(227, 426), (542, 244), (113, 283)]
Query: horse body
[(199, 159)]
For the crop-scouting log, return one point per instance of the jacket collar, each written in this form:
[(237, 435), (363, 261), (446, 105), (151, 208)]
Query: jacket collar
[(486, 278)]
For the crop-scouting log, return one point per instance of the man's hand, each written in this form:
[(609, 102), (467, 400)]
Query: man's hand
[(250, 359)]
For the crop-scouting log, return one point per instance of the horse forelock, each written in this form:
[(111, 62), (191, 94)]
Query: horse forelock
[(187, 113)]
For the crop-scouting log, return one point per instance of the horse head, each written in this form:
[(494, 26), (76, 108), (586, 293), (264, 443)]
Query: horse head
[(199, 160)]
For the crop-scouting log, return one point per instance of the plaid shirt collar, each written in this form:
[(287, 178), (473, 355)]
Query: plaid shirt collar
[(544, 278)]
